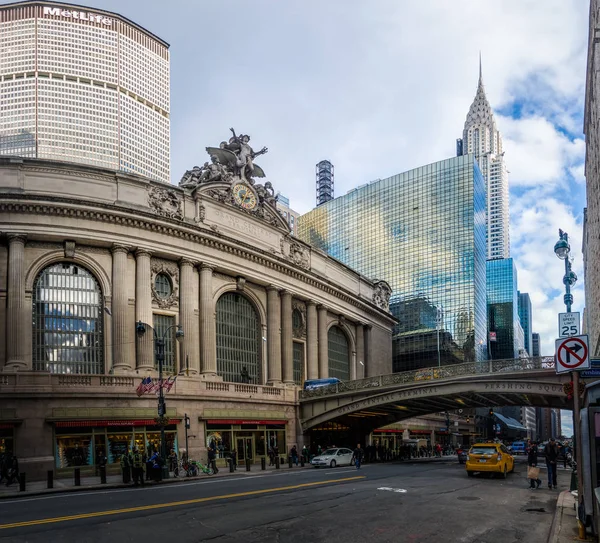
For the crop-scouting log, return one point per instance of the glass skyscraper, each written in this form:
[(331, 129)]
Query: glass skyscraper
[(503, 309), (525, 317), (423, 231)]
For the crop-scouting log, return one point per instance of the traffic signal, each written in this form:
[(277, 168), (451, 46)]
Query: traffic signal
[(491, 412)]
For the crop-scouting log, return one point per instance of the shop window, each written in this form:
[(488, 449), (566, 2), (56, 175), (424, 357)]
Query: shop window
[(238, 340), (68, 334), (74, 451), (162, 323), (7, 444), (339, 354)]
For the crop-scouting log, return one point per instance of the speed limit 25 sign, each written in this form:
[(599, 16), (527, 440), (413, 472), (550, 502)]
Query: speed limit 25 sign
[(568, 324)]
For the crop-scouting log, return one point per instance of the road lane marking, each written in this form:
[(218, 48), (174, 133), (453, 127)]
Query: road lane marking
[(398, 490), (66, 495), (171, 504)]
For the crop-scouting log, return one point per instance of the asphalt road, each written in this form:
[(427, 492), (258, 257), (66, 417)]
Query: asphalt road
[(425, 502)]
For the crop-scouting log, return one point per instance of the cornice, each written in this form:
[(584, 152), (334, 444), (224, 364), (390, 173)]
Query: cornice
[(136, 218)]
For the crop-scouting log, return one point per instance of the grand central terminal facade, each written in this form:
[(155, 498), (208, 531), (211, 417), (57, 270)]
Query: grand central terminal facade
[(87, 254)]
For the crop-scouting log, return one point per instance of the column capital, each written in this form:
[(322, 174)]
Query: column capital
[(15, 237), (273, 288), (206, 266), (285, 292), (186, 262), (360, 324), (140, 251), (321, 307), (311, 302), (118, 248)]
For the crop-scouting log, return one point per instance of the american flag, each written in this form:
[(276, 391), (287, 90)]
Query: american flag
[(145, 386), (169, 384)]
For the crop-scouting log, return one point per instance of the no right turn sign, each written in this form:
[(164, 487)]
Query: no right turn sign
[(572, 354)]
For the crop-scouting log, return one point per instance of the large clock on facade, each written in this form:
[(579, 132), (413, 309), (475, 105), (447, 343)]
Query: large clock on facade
[(244, 196)]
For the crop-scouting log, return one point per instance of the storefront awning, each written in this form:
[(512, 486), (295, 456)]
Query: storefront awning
[(240, 421), (510, 423), (103, 423)]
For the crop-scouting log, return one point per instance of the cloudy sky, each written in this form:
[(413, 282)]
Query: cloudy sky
[(384, 86)]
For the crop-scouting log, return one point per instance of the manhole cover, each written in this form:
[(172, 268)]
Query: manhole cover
[(468, 498), (536, 510)]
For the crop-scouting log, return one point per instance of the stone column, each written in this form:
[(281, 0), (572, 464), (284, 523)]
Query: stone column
[(273, 335), (312, 341), (208, 334), (143, 309), (186, 317), (121, 327), (323, 343), (368, 351), (287, 341), (360, 351), (15, 304)]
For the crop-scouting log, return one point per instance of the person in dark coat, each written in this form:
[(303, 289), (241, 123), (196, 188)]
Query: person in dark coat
[(125, 462), (532, 460), (13, 470), (551, 452)]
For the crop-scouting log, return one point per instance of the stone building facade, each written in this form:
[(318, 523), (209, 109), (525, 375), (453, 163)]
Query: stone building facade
[(86, 254), (591, 231)]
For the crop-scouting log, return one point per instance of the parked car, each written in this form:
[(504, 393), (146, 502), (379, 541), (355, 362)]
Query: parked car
[(333, 458), (462, 455), (489, 458)]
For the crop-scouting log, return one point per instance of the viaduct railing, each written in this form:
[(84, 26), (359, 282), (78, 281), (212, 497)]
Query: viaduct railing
[(485, 367)]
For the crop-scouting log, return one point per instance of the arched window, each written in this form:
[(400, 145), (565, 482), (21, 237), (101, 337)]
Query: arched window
[(68, 331), (339, 354), (238, 340)]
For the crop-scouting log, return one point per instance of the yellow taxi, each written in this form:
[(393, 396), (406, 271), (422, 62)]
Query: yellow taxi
[(489, 457)]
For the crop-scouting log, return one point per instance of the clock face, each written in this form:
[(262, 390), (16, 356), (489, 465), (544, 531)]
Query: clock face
[(244, 196)]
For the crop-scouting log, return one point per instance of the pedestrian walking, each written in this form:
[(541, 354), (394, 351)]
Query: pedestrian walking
[(532, 470), (137, 461), (3, 467), (234, 459), (12, 470), (294, 455), (271, 456), (101, 461), (357, 456), (551, 452), (305, 454), (212, 459), (125, 462)]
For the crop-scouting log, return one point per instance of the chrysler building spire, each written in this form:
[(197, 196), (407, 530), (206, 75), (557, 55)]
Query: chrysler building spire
[(482, 138)]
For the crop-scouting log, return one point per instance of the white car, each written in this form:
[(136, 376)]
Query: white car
[(333, 458)]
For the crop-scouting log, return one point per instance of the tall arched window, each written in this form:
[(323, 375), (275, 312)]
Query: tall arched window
[(238, 340), (339, 354), (68, 332)]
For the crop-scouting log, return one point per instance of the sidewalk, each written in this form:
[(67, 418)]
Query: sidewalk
[(564, 526), (37, 488)]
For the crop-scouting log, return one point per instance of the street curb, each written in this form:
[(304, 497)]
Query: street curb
[(114, 486), (556, 528)]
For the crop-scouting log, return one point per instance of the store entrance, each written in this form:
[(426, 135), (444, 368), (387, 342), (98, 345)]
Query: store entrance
[(245, 450)]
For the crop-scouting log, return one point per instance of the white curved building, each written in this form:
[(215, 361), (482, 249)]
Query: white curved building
[(83, 85)]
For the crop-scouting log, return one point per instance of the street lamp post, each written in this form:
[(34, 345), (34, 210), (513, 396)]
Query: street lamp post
[(159, 349), (562, 250)]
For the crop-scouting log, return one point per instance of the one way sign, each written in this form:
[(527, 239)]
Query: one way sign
[(572, 354)]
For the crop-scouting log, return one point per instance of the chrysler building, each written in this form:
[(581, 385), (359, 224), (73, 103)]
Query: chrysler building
[(482, 138)]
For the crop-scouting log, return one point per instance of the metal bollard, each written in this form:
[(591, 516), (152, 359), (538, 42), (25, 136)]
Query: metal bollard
[(247, 465), (302, 461), (22, 482), (77, 475), (277, 462), (50, 478), (230, 465), (263, 464), (289, 461), (102, 475)]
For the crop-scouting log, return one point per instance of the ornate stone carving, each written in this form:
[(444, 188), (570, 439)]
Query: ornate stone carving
[(200, 211), (241, 283), (299, 328), (165, 202), (69, 249), (295, 251), (171, 269), (381, 294)]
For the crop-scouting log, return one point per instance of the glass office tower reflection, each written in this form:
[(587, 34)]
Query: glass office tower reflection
[(503, 310), (423, 231)]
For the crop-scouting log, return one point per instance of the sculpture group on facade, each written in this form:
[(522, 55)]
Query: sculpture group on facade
[(232, 161)]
